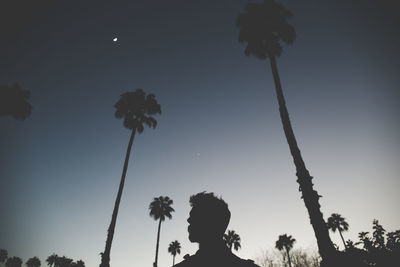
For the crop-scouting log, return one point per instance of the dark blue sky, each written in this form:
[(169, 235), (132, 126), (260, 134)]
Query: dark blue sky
[(220, 129)]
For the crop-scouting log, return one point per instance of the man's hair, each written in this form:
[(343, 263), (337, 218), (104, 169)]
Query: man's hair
[(214, 206)]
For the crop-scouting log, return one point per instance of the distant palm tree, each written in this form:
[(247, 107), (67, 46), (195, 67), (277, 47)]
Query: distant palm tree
[(33, 262), (64, 262), (136, 109), (174, 248), (79, 263), (232, 239), (52, 260), (160, 208), (285, 242), (337, 222), (3, 255), (13, 102), (14, 262), (264, 26)]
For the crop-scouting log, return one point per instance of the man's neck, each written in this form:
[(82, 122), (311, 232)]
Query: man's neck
[(212, 246)]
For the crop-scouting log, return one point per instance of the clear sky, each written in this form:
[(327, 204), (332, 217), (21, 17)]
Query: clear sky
[(220, 128)]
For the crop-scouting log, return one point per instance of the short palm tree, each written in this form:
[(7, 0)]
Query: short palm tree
[(14, 262), (33, 262), (174, 248), (264, 27), (232, 240), (160, 208), (285, 242), (3, 255), (52, 260), (136, 109), (337, 222)]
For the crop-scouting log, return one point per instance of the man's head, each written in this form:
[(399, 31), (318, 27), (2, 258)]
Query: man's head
[(208, 218)]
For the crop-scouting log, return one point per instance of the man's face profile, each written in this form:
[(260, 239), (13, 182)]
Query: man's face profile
[(194, 227), (202, 225)]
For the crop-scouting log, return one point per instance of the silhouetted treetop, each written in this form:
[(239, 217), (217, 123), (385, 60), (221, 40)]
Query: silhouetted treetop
[(13, 102), (136, 109), (264, 26)]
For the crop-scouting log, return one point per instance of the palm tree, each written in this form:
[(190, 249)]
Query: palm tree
[(264, 26), (79, 263), (52, 260), (14, 262), (13, 102), (136, 109), (160, 208), (337, 222), (174, 248), (64, 262), (285, 242), (3, 255), (33, 262), (232, 239)]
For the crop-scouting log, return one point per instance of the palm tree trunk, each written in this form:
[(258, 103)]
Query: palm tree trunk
[(344, 243), (105, 257), (158, 242), (309, 195), (173, 260), (288, 256)]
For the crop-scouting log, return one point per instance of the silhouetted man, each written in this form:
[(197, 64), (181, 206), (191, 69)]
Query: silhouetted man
[(208, 221)]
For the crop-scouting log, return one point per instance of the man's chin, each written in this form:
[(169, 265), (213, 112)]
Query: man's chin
[(192, 238)]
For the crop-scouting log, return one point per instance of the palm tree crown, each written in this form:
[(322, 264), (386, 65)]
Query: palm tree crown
[(174, 248), (337, 222), (33, 262), (14, 102), (14, 262), (264, 26), (232, 239), (52, 259), (160, 208), (136, 109), (285, 241)]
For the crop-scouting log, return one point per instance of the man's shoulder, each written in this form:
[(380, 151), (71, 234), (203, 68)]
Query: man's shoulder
[(243, 263), (232, 261), (188, 262)]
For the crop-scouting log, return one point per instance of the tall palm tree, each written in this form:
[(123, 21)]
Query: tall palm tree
[(160, 208), (3, 255), (14, 262), (14, 102), (232, 240), (264, 26), (337, 222), (33, 262), (52, 260), (174, 248), (136, 109), (285, 242)]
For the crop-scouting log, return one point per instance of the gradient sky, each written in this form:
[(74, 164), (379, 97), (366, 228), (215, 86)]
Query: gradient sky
[(220, 128)]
